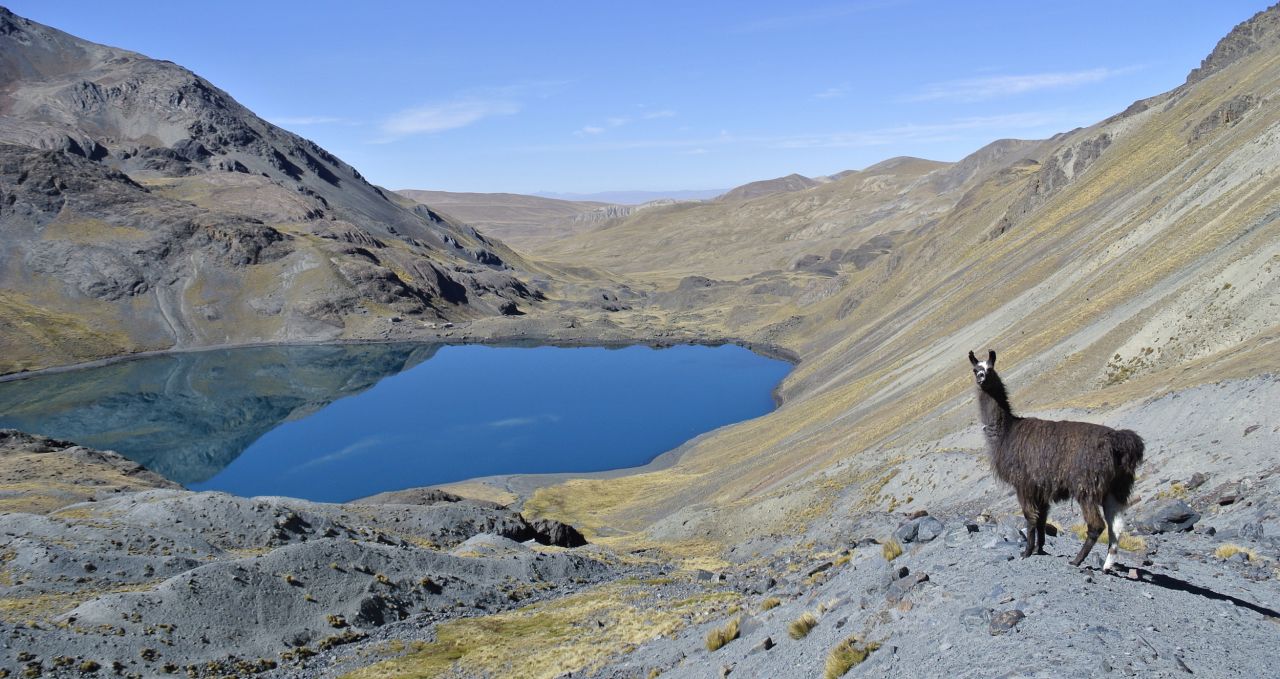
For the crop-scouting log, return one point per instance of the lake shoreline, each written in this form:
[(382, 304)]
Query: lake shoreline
[(525, 481)]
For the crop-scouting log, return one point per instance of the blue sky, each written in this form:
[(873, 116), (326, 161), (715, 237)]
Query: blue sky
[(594, 96)]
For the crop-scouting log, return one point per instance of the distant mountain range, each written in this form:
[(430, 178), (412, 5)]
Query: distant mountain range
[(634, 197)]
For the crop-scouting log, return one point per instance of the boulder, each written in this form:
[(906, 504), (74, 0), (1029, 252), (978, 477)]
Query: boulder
[(556, 534), (1166, 516), (921, 529)]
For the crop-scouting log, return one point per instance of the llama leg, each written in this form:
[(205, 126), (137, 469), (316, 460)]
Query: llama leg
[(1110, 510), (1029, 512), (1093, 520), (1042, 519)]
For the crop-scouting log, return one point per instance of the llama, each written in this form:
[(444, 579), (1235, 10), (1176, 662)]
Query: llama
[(1048, 461)]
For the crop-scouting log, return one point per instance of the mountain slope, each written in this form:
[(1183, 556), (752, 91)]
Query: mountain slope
[(511, 217), (1117, 262), (143, 208), (787, 184)]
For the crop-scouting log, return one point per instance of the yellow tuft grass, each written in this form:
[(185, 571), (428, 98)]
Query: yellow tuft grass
[(799, 628), (1229, 550), (720, 636), (846, 655), (891, 549), (1129, 543), (771, 602)]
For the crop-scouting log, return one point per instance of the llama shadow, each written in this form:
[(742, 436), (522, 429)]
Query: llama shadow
[(1176, 585)]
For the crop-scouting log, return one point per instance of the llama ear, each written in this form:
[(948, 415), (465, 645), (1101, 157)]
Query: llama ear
[(972, 360), (991, 359)]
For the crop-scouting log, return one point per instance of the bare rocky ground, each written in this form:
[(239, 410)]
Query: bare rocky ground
[(159, 581), (146, 583), (1195, 594)]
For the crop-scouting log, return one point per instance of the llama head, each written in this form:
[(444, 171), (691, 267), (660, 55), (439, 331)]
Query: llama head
[(982, 368)]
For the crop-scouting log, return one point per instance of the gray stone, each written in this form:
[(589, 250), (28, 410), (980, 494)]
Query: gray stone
[(1005, 621), (928, 528), (1166, 516)]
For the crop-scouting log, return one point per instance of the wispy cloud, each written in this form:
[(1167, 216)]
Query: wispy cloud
[(464, 109), (448, 115), (307, 120), (833, 92), (664, 113), (1037, 122), (522, 421), (934, 132), (614, 122), (994, 87), (348, 451)]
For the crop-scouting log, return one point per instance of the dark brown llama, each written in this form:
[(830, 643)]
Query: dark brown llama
[(1048, 461)]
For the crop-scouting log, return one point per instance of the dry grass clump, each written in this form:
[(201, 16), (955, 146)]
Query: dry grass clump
[(845, 655), (771, 602), (799, 628), (1129, 543), (843, 559), (722, 635), (1229, 550), (891, 549)]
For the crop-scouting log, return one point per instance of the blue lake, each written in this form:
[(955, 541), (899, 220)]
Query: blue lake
[(339, 422)]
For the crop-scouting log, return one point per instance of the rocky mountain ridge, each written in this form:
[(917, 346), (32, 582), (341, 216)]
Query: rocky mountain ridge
[(144, 208)]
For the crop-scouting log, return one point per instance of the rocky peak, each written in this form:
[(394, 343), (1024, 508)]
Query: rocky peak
[(1262, 31)]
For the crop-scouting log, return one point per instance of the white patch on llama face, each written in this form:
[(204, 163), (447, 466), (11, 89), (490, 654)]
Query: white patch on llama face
[(980, 371)]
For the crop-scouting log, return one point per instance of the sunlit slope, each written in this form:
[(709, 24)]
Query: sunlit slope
[(1125, 259)]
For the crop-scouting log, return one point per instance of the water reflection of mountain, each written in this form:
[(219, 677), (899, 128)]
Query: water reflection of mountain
[(186, 416)]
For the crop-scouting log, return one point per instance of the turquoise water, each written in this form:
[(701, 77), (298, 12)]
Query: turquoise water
[(339, 422)]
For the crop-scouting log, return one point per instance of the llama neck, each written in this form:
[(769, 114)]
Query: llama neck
[(993, 404)]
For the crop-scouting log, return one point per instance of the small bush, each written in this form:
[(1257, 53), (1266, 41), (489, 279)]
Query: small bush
[(771, 602), (843, 559), (891, 549), (799, 628), (722, 635), (1229, 550), (845, 655)]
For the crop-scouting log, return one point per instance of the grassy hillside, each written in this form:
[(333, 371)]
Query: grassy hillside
[(1108, 264)]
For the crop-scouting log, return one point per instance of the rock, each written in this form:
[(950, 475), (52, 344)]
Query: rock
[(704, 576), (764, 645), (1250, 531), (556, 534), (928, 529), (1003, 622), (1009, 529), (920, 529), (1166, 516), (1197, 479), (917, 514), (820, 568)]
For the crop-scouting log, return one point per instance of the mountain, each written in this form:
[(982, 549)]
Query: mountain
[(787, 184), (834, 223), (635, 197), (1109, 266), (144, 208), (511, 217)]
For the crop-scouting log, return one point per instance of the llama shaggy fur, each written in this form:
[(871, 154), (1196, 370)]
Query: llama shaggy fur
[(1050, 461)]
